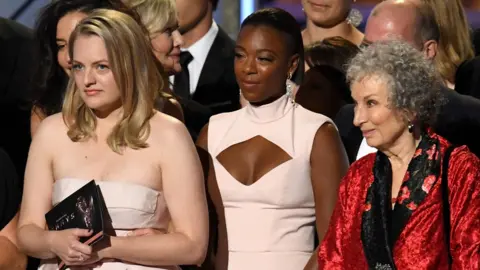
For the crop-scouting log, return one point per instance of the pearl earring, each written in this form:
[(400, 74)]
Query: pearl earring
[(410, 127)]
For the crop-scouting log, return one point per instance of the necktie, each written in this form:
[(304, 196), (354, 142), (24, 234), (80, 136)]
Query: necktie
[(181, 83)]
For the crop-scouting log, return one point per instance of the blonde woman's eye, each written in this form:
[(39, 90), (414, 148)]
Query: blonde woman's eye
[(77, 67)]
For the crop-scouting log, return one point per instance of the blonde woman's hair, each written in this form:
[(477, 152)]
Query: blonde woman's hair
[(455, 45), (156, 15), (136, 73)]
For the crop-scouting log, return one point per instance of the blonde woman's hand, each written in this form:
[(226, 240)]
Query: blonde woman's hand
[(66, 245)]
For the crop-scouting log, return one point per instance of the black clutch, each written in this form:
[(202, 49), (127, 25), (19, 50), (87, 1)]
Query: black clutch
[(84, 210)]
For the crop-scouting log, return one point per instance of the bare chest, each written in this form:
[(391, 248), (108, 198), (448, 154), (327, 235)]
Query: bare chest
[(250, 160), (95, 160)]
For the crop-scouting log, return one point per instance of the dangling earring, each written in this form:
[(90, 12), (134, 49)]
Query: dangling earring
[(354, 17), (289, 86), (410, 127)]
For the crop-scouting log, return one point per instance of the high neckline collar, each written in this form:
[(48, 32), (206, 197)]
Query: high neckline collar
[(269, 112)]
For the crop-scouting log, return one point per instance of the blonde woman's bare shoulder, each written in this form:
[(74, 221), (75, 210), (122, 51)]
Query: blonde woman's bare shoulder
[(167, 128), (51, 128)]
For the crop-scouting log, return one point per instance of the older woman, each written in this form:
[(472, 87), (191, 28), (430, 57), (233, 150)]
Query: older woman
[(391, 212)]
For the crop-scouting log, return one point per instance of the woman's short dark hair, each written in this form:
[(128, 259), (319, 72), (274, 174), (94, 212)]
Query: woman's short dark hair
[(284, 22), (50, 80), (334, 51), (325, 90), (214, 4)]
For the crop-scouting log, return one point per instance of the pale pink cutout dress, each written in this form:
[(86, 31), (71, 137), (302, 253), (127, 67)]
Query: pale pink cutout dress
[(270, 224)]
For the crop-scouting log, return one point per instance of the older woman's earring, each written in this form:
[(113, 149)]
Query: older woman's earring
[(410, 127), (289, 86)]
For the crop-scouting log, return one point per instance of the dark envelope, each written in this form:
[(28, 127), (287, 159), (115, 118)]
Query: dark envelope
[(84, 209)]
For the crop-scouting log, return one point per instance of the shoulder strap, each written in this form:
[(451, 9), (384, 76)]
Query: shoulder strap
[(445, 199)]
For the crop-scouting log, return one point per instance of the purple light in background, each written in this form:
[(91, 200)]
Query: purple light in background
[(296, 10)]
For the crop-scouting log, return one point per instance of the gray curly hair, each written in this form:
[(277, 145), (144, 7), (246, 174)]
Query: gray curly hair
[(411, 80)]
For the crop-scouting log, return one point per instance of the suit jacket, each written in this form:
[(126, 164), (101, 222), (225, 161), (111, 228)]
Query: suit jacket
[(458, 121), (351, 135), (217, 90), (467, 78), (15, 73), (476, 41), (10, 191)]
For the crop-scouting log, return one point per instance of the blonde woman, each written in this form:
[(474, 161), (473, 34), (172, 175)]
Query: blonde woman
[(455, 45), (54, 27), (160, 20), (143, 160)]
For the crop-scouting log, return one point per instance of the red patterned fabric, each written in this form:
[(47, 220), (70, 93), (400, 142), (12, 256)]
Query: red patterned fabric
[(421, 244)]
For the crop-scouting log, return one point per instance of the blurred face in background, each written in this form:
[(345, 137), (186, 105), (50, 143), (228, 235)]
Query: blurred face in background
[(326, 13), (65, 27), (190, 13), (398, 24), (166, 47)]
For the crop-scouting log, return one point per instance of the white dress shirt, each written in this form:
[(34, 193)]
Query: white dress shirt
[(365, 149), (199, 51)]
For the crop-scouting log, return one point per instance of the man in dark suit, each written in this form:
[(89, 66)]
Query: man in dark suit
[(16, 58), (459, 118), (207, 83), (10, 197), (476, 41), (467, 78)]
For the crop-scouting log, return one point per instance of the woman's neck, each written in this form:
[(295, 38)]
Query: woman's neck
[(402, 150), (106, 120), (269, 112), (313, 33), (267, 101)]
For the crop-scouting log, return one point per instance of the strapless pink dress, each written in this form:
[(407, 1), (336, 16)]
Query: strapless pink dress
[(130, 207)]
